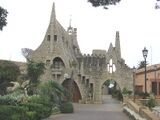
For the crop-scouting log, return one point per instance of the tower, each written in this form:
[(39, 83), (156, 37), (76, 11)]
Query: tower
[(117, 45)]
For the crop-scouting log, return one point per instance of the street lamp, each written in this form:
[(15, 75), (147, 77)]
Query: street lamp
[(145, 52), (134, 75)]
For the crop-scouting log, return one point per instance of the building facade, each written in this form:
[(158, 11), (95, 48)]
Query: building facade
[(153, 80), (84, 75)]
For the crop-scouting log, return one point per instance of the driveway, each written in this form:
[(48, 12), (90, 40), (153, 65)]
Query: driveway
[(110, 110)]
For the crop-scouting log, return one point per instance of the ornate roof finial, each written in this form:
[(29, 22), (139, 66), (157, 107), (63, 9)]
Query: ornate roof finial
[(70, 29)]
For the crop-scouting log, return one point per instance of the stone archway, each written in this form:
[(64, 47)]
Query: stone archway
[(111, 88), (73, 89)]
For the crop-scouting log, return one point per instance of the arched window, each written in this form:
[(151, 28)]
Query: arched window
[(111, 66), (58, 63)]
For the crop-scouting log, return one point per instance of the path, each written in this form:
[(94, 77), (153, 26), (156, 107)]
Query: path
[(110, 110)]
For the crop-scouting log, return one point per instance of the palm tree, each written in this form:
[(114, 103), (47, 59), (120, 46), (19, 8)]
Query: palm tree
[(54, 91)]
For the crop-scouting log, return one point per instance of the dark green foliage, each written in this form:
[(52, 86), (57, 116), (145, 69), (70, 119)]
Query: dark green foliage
[(3, 16), (97, 3), (42, 111), (117, 94), (125, 91), (107, 82), (53, 90), (7, 101), (13, 98), (66, 107), (31, 115), (9, 71), (142, 94), (151, 103), (34, 70), (44, 100), (8, 112)]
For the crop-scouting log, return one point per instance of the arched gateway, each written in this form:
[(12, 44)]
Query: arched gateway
[(64, 61)]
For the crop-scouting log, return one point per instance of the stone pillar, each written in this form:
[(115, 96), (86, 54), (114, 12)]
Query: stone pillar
[(97, 93)]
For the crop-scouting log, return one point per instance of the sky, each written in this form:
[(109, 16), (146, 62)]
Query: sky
[(137, 21)]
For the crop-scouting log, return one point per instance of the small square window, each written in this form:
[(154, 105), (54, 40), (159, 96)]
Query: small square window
[(48, 38), (47, 62), (55, 38)]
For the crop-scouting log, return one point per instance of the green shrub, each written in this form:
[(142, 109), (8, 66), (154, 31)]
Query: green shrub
[(151, 103), (40, 100), (41, 110), (125, 91), (32, 115), (7, 101), (66, 107), (52, 90), (12, 99), (117, 94), (142, 94), (55, 110), (8, 112), (9, 71)]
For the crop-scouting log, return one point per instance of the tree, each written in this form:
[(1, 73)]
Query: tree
[(141, 64), (53, 90), (34, 71), (9, 71), (104, 3), (3, 16), (26, 52)]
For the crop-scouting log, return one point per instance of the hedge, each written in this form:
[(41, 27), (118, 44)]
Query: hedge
[(42, 111), (66, 107), (8, 112)]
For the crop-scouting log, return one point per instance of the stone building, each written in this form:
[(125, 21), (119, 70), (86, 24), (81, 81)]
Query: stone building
[(82, 74), (153, 80)]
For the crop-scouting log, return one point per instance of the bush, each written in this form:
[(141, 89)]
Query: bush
[(40, 100), (151, 103), (117, 94), (52, 90), (9, 71), (142, 94), (125, 91), (66, 107), (41, 110), (55, 110), (8, 112), (12, 99), (32, 115)]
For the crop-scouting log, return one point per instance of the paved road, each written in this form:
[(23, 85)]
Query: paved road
[(110, 110)]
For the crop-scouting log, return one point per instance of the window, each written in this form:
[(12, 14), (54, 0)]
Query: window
[(48, 37), (55, 38), (87, 82), (58, 63), (111, 66), (138, 89), (47, 62), (83, 79), (63, 38), (154, 88)]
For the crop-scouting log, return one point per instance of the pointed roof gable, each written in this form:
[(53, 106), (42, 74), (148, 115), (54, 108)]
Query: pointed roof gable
[(53, 14)]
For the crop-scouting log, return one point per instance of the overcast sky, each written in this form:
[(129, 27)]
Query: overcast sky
[(136, 20)]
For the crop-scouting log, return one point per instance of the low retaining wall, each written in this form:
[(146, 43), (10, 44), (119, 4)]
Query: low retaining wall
[(143, 111)]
